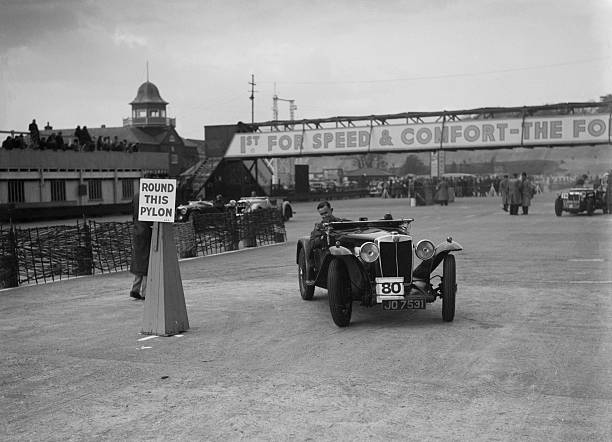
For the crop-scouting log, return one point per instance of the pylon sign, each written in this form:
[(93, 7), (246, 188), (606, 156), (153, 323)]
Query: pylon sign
[(157, 200), (165, 312)]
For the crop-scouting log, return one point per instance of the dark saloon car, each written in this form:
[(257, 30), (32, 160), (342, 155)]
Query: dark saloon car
[(376, 263)]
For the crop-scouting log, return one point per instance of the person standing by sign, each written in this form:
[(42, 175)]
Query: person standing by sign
[(141, 245)]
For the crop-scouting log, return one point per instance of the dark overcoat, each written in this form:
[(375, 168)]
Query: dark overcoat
[(442, 191), (514, 191), (141, 242)]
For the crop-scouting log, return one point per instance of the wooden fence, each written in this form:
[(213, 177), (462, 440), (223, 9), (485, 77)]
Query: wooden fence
[(42, 254)]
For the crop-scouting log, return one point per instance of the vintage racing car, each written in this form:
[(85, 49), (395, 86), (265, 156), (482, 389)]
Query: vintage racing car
[(372, 262), (581, 199), (185, 211), (252, 203)]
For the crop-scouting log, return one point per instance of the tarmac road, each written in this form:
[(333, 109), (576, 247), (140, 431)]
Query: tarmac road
[(527, 357)]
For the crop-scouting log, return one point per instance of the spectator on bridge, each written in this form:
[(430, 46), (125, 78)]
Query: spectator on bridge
[(34, 133), (8, 143), (78, 134)]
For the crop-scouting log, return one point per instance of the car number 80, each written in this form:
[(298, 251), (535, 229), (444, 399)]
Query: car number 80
[(389, 286)]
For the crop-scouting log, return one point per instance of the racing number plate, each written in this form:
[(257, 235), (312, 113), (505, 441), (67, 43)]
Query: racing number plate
[(390, 286), (404, 304)]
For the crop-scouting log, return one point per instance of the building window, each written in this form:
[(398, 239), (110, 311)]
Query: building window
[(95, 189), (142, 113), (58, 190), (127, 187), (16, 192), (154, 113)]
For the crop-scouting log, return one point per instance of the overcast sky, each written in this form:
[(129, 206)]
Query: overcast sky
[(81, 62)]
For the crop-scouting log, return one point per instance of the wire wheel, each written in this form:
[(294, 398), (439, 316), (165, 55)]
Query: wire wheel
[(339, 293)]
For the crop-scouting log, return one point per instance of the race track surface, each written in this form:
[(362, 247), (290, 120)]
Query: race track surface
[(528, 355)]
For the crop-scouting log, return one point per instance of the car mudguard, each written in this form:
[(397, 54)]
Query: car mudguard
[(354, 268), (424, 269)]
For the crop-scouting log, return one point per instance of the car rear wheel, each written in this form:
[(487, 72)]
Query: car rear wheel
[(558, 207), (306, 291), (590, 206), (339, 293), (449, 288)]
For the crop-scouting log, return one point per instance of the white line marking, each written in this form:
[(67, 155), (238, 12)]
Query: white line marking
[(144, 348), (146, 338), (586, 260), (179, 336), (590, 282)]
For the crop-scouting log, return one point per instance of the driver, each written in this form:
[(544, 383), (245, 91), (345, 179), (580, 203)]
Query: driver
[(325, 210)]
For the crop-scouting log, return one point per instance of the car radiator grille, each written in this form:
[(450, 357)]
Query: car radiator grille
[(395, 258)]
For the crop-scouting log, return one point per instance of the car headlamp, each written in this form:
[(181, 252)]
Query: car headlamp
[(183, 210), (425, 249), (369, 252)]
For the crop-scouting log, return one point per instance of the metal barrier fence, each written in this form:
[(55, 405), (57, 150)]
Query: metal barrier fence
[(42, 254)]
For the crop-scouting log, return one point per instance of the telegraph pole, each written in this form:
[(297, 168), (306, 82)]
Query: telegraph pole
[(252, 98)]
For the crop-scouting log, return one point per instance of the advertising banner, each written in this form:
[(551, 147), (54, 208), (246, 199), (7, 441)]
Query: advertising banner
[(452, 135)]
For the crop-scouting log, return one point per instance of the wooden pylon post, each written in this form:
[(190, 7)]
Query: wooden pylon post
[(165, 313)]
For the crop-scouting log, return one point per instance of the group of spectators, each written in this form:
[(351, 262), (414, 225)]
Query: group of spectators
[(79, 141), (516, 192)]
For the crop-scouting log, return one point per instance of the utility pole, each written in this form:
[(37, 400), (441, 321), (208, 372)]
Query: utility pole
[(252, 98)]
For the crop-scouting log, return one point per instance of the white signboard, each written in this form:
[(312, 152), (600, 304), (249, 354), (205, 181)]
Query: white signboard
[(156, 200), (467, 134)]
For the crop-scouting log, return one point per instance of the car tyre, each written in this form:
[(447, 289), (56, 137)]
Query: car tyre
[(590, 207), (339, 293), (306, 291), (449, 288), (558, 206)]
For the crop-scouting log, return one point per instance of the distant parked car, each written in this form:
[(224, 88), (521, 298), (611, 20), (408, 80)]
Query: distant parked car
[(253, 203), (581, 199), (185, 211)]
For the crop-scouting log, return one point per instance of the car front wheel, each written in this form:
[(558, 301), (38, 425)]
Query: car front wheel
[(449, 288), (339, 293), (558, 207), (306, 291)]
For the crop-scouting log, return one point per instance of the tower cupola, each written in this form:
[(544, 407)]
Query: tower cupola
[(148, 108)]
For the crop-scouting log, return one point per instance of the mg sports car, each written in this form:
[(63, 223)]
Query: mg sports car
[(377, 264)]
